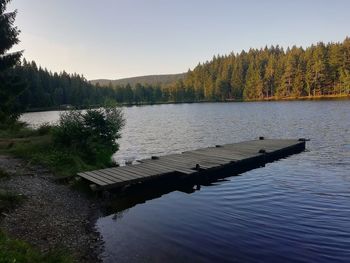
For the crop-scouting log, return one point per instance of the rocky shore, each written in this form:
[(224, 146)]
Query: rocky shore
[(52, 216)]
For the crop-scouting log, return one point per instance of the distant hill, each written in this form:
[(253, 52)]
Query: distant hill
[(150, 79)]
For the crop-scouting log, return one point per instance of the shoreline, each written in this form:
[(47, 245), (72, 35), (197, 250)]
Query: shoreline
[(52, 215), (302, 98)]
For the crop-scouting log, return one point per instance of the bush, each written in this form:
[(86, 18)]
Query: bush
[(92, 134), (44, 129)]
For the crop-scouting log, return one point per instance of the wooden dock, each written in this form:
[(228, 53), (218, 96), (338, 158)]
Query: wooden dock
[(241, 156)]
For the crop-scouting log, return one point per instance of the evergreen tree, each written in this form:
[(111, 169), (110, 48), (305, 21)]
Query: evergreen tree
[(345, 69), (237, 79), (335, 63), (284, 90), (269, 77), (323, 69), (254, 84), (10, 85)]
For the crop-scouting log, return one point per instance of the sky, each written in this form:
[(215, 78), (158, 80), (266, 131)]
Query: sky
[(124, 38)]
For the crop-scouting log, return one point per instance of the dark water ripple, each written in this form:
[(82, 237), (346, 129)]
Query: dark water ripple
[(293, 210)]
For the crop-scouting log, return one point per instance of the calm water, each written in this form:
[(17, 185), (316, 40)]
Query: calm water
[(296, 209)]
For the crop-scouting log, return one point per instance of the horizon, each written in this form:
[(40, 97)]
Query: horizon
[(158, 37)]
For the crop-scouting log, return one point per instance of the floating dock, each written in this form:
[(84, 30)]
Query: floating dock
[(237, 157)]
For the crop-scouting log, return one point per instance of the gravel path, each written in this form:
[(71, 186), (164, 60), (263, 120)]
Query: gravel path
[(52, 215)]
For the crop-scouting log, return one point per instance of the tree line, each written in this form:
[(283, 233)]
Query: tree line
[(322, 69), (45, 89)]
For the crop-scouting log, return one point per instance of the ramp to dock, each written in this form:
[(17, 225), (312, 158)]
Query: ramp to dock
[(197, 162)]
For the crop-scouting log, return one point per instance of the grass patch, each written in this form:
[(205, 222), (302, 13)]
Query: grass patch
[(12, 250), (16, 130), (40, 149)]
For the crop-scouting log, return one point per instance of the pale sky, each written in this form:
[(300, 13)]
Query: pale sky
[(124, 38)]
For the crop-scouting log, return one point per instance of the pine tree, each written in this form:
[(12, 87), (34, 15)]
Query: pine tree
[(254, 84), (298, 85), (321, 70), (10, 85), (237, 80), (345, 70), (345, 82), (269, 77), (335, 63)]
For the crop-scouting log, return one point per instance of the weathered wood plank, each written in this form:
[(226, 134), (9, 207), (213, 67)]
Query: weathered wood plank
[(155, 167), (226, 156), (174, 167), (126, 170), (176, 163), (136, 172), (118, 176), (92, 179), (207, 158), (185, 163), (100, 176), (96, 178), (108, 176), (152, 171), (190, 161)]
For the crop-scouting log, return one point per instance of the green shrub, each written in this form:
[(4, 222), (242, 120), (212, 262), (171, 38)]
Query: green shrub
[(91, 134), (44, 129)]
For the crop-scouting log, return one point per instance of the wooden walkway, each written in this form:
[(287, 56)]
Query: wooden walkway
[(194, 163)]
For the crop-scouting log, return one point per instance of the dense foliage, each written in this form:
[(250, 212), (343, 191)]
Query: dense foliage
[(80, 141), (257, 74), (91, 134), (10, 85), (47, 89), (153, 80)]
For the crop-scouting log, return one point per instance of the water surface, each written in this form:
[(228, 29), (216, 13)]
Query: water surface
[(296, 209)]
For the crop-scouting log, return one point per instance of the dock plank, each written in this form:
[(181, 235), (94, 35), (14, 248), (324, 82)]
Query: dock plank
[(129, 170), (92, 179), (118, 176), (96, 178), (175, 167), (124, 173), (208, 159), (147, 170)]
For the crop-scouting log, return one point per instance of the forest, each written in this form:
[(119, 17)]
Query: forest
[(268, 73), (45, 89)]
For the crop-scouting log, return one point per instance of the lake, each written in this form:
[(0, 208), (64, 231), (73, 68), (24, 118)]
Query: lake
[(293, 210)]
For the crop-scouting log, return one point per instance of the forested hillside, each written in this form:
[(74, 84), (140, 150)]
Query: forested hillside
[(322, 69), (47, 89), (270, 72), (153, 80)]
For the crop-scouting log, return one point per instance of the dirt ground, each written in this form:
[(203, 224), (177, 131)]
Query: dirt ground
[(52, 216)]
